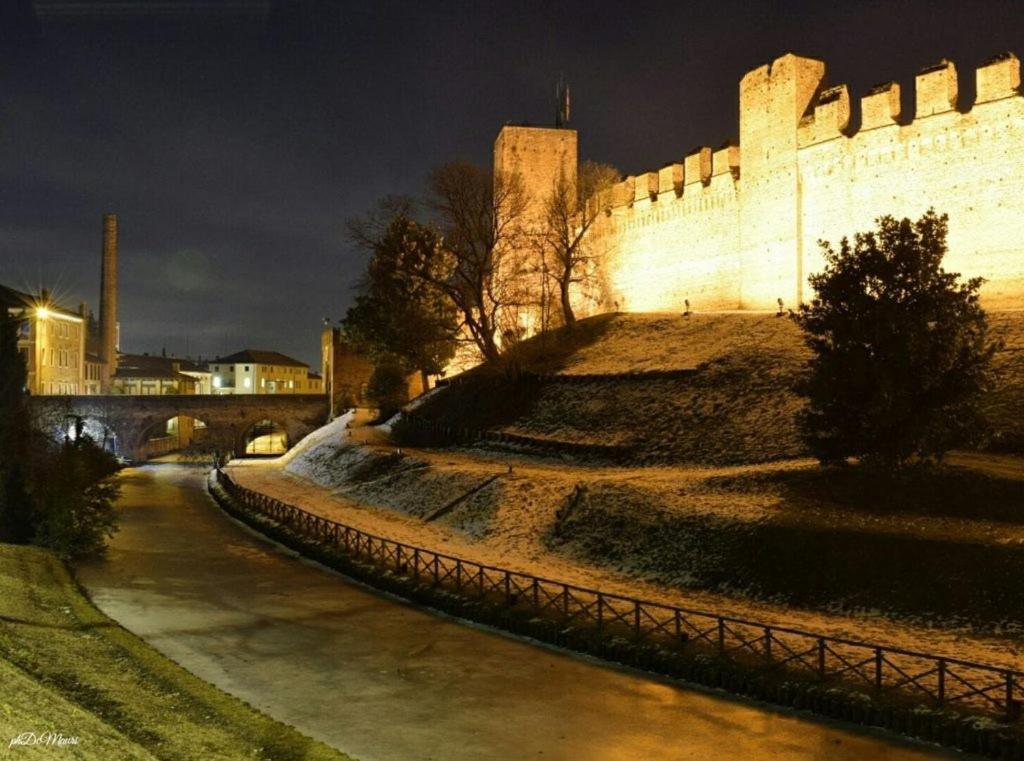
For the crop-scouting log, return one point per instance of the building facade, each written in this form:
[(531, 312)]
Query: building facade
[(145, 375), (51, 340), (255, 371), (738, 227)]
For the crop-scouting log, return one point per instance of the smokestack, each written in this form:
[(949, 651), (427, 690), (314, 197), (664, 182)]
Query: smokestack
[(108, 301)]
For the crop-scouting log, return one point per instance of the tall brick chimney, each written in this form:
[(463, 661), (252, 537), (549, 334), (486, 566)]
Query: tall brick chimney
[(108, 301)]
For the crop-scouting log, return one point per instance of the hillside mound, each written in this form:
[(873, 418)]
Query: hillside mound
[(656, 388)]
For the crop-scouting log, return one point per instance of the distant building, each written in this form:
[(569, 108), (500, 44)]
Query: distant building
[(51, 339), (94, 365), (255, 371), (145, 375), (346, 372)]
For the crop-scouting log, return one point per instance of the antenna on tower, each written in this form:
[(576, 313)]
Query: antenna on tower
[(562, 103)]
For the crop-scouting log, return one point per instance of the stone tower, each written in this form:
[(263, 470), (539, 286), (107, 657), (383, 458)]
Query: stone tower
[(773, 100), (108, 302), (537, 155)]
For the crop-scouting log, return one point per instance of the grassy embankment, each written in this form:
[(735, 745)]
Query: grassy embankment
[(738, 406), (734, 511), (67, 668)]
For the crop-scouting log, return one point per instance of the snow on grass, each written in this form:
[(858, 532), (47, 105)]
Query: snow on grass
[(656, 533)]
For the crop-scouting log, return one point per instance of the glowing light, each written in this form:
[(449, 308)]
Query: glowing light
[(43, 313)]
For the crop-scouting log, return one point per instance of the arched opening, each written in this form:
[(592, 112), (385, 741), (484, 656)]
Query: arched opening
[(95, 428), (265, 438), (179, 434)]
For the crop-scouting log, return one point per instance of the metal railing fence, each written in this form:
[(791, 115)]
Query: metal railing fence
[(942, 680)]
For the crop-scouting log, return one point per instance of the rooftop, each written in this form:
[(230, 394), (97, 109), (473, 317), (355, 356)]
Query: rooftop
[(147, 366)]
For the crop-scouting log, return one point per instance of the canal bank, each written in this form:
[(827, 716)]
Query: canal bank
[(380, 679)]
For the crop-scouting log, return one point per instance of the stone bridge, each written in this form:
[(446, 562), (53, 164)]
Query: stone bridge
[(228, 418)]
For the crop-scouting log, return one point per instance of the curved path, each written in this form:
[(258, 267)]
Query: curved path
[(380, 679)]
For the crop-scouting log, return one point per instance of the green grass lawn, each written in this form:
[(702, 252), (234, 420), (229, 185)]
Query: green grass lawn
[(66, 668)]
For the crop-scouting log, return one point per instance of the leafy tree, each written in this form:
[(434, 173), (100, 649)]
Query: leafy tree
[(398, 314), (75, 514), (15, 433), (569, 214), (900, 349), (387, 387)]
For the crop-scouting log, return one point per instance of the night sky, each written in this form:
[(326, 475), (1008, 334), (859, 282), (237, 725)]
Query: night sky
[(234, 139)]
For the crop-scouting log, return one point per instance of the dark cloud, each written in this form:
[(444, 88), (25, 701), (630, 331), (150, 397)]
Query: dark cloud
[(233, 146)]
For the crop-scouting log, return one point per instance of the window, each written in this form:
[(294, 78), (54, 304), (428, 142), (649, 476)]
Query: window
[(248, 382), (247, 368)]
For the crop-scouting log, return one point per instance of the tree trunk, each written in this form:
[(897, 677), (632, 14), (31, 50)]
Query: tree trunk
[(567, 314)]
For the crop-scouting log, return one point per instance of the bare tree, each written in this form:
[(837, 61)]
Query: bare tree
[(479, 261), (569, 214)]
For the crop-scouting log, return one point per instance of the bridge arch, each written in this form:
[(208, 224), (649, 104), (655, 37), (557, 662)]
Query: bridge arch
[(264, 437), (228, 418)]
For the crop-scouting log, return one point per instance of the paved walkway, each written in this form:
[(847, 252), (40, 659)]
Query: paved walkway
[(380, 679)]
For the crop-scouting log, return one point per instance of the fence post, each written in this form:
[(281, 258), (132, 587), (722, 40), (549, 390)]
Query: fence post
[(565, 601), (435, 569), (679, 624), (768, 643), (508, 588), (398, 558), (721, 635), (878, 668), (458, 575), (600, 611), (536, 593), (821, 657), (636, 619), (942, 681), (416, 563)]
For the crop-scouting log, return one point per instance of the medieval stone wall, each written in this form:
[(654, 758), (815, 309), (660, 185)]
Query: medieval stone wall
[(968, 165), (738, 227)]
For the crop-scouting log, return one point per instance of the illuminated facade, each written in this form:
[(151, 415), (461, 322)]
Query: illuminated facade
[(738, 227), (255, 371), (51, 340)]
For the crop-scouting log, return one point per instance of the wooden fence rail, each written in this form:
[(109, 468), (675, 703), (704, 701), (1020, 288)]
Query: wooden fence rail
[(942, 680)]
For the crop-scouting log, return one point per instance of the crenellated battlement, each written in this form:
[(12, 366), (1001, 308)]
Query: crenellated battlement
[(998, 78), (936, 91), (831, 116), (881, 106), (738, 226)]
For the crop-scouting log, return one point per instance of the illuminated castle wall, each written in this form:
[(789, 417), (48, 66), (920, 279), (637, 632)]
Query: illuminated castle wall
[(737, 227)]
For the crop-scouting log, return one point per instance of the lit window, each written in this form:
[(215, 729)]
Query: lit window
[(248, 382), (216, 381)]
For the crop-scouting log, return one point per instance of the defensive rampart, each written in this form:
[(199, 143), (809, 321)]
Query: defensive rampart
[(738, 227)]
